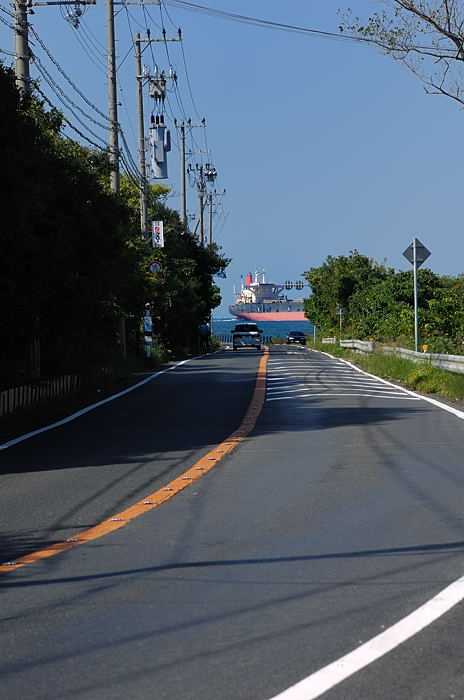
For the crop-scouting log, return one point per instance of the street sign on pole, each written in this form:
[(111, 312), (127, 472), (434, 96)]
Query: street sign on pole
[(154, 267), (422, 253), (417, 254)]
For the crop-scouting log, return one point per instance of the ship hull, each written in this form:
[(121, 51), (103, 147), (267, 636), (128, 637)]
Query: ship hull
[(263, 301), (271, 316)]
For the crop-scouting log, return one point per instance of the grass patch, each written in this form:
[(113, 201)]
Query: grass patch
[(418, 376)]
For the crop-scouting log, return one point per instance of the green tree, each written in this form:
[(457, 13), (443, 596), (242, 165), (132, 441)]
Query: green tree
[(69, 264), (333, 285), (385, 309), (444, 325)]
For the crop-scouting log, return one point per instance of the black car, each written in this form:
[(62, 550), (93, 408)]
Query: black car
[(296, 337)]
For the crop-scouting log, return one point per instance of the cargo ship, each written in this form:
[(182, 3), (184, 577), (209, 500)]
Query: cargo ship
[(259, 300)]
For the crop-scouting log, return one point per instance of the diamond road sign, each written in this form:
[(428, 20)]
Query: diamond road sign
[(422, 253)]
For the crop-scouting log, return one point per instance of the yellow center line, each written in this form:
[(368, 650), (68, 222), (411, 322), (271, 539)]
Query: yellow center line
[(155, 499)]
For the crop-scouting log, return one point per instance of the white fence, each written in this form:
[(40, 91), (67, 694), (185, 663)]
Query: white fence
[(452, 363)]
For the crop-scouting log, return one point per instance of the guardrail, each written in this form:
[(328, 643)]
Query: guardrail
[(452, 363), (365, 346)]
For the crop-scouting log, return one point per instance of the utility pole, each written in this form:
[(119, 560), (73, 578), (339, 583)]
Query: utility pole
[(183, 168), (201, 196), (113, 133), (206, 174), (112, 99), (210, 175), (141, 135), (210, 202), (183, 188), (22, 53), (211, 197), (157, 91)]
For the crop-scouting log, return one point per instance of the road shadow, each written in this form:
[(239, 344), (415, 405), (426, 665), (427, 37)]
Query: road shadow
[(456, 547)]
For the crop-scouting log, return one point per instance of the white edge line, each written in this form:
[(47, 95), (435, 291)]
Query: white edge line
[(327, 677), (73, 416)]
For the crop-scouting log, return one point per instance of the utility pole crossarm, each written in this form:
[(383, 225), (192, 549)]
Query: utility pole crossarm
[(61, 2)]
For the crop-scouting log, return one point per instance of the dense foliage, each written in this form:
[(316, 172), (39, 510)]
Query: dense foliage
[(375, 301), (72, 262)]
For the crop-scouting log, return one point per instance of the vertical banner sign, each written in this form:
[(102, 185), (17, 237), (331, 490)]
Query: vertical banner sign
[(157, 234), (148, 332)]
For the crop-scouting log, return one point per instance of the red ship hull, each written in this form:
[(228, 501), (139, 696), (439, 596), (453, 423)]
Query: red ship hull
[(272, 316)]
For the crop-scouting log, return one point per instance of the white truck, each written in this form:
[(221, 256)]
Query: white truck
[(246, 335)]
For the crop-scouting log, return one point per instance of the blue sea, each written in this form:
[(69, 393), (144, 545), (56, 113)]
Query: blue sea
[(269, 328)]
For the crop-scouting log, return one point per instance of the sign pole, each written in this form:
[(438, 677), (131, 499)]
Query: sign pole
[(416, 313), (417, 254)]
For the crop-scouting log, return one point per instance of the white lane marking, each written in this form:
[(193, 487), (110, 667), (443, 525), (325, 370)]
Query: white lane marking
[(396, 397), (285, 370), (73, 416), (281, 378), (286, 363), (331, 675), (352, 384), (381, 392), (278, 390), (315, 380)]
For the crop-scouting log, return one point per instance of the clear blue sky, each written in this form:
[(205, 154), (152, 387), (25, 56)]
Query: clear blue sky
[(323, 146)]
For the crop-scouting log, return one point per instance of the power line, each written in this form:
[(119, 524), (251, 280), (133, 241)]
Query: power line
[(73, 85), (57, 89), (8, 24), (129, 162), (256, 21), (185, 67), (88, 49), (83, 24), (281, 26)]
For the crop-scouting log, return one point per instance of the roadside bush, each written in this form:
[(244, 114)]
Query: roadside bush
[(423, 377)]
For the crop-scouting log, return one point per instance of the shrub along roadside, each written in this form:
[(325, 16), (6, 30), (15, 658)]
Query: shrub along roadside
[(418, 376)]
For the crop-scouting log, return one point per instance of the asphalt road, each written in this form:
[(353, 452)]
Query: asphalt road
[(339, 515)]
